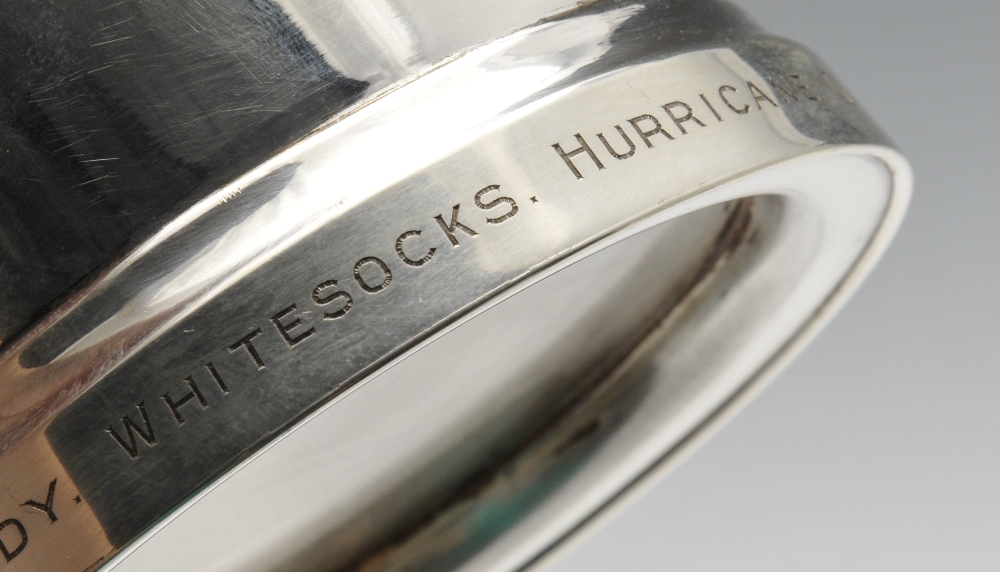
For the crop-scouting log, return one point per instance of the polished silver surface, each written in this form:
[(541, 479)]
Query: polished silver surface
[(119, 115), (483, 295)]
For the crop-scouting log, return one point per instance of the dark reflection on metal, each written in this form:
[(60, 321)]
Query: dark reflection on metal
[(460, 502), (118, 115), (219, 336), (164, 257)]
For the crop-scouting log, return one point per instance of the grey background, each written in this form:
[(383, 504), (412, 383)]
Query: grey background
[(879, 448)]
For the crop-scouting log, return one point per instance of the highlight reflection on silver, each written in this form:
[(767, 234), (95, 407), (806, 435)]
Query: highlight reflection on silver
[(342, 176), (571, 329)]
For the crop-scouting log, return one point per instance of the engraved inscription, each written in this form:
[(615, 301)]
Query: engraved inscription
[(246, 343), (348, 290), (416, 248), (615, 154), (217, 378), (45, 507), (128, 443), (680, 121), (13, 538), (759, 96), (710, 107), (137, 431), (376, 287), (584, 148), (724, 91), (647, 134), (285, 328), (320, 300), (495, 203), (406, 259), (790, 88), (681, 118), (14, 533), (175, 406), (449, 229)]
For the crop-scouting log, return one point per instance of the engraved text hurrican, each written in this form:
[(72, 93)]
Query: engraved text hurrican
[(583, 155), (677, 119)]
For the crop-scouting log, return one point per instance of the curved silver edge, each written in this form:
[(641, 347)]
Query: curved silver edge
[(643, 481), (421, 147), (594, 485)]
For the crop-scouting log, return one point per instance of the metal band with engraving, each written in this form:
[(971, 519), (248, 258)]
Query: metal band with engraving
[(272, 379)]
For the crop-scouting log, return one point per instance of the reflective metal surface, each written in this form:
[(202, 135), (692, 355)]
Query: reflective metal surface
[(412, 305), (119, 115)]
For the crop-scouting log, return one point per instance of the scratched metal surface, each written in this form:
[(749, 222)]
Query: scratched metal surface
[(117, 115), (248, 261)]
